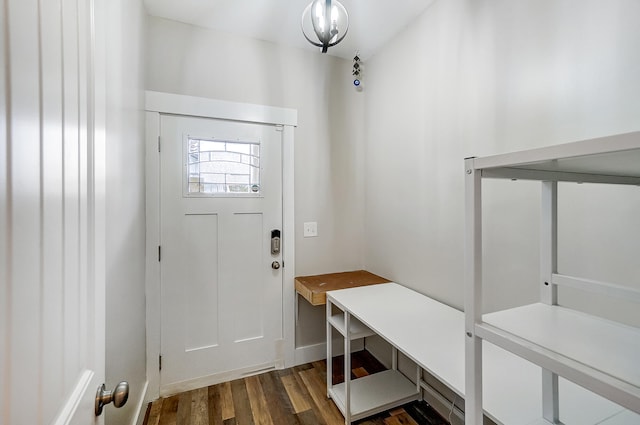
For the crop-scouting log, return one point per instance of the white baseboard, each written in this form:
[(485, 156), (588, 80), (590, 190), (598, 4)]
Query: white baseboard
[(141, 406), (315, 352), (310, 353), (217, 378)]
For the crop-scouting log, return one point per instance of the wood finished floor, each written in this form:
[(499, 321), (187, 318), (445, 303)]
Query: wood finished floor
[(295, 396)]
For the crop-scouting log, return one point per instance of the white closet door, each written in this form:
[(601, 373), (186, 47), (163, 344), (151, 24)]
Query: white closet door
[(51, 215)]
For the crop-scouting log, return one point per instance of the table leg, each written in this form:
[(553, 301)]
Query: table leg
[(347, 368)]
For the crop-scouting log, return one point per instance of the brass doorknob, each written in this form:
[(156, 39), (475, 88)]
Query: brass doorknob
[(118, 396)]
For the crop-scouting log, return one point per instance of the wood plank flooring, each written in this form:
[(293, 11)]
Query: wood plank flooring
[(295, 396)]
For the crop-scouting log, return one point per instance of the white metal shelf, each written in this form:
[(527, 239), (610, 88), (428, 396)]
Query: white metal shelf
[(371, 394), (622, 418), (617, 155), (375, 393), (357, 331), (595, 353), (605, 345), (512, 390), (599, 354)]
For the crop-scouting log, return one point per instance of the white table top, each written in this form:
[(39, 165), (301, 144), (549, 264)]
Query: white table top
[(432, 335)]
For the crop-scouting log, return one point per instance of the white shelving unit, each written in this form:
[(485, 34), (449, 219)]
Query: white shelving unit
[(432, 335), (600, 355), (368, 395)]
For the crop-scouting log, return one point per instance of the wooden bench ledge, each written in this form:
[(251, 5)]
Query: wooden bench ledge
[(314, 288)]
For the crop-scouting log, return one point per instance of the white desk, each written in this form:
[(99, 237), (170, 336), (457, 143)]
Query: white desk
[(432, 335)]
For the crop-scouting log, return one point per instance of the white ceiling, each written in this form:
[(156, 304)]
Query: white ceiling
[(371, 22)]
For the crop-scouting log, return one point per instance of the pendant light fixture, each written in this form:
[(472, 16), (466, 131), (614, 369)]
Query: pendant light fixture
[(325, 23)]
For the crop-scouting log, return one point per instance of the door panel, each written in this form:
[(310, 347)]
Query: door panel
[(201, 230), (221, 300), (51, 241), (245, 254)]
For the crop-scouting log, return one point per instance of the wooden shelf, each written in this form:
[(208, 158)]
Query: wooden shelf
[(375, 393), (314, 288)]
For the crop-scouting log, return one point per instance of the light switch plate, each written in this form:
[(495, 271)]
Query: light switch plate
[(310, 229)]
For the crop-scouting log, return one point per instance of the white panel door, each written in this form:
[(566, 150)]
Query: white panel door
[(51, 215), (221, 198)]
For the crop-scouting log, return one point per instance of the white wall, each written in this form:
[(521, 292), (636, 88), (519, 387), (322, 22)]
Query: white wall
[(382, 170), (125, 226), (194, 61), (473, 78)]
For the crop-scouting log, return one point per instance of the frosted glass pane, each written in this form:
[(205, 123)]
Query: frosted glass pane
[(217, 167)]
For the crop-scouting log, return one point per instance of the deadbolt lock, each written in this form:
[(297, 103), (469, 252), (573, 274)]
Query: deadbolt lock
[(275, 242)]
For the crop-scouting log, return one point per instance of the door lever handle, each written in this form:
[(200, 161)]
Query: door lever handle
[(118, 396)]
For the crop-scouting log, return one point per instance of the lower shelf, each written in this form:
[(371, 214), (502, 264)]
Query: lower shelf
[(358, 329), (375, 393)]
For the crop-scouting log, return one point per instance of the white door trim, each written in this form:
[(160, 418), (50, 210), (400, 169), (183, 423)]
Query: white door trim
[(157, 103), (177, 104)]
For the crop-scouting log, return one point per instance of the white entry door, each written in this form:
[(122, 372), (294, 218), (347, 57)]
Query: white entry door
[(221, 203)]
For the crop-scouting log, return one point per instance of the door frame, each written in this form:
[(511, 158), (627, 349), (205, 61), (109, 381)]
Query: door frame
[(158, 103)]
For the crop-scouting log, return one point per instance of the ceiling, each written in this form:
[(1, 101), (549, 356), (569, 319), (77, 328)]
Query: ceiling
[(371, 22)]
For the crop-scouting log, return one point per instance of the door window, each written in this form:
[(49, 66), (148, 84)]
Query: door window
[(221, 167)]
